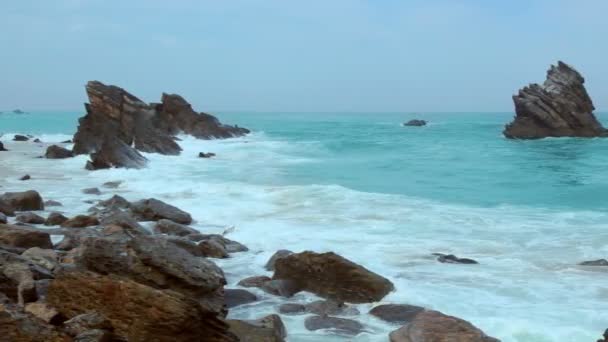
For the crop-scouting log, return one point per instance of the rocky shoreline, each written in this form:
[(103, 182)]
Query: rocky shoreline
[(112, 279)]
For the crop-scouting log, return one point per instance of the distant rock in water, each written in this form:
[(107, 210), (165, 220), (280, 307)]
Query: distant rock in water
[(452, 259), (18, 111), (415, 122), (19, 137), (560, 107), (132, 125), (57, 152), (206, 155), (600, 262)]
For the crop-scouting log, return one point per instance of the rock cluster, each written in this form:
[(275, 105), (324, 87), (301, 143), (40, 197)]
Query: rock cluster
[(118, 125), (560, 107)]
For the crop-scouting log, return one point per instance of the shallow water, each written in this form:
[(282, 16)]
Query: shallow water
[(385, 196)]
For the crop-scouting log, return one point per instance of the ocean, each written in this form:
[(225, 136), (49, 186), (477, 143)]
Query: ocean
[(385, 196)]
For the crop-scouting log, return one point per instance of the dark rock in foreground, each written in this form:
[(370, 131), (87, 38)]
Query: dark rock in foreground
[(118, 124), (600, 262), (267, 329), (435, 326), (28, 217), (396, 313), (332, 276), (57, 152), (236, 297), (415, 122), (560, 107)]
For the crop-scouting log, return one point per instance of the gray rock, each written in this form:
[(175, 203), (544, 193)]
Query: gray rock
[(46, 258), (112, 185), (236, 297), (396, 313), (169, 227), (51, 203), (336, 325), (26, 177), (91, 191), (415, 122), (30, 218), (330, 307), (153, 210), (57, 152), (273, 259), (599, 262), (292, 309), (19, 137), (280, 287), (55, 219), (452, 259)]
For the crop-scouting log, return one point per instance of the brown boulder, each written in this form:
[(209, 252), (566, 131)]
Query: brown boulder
[(30, 218), (332, 276), (23, 237), (256, 281), (57, 152), (17, 326), (169, 227), (435, 326), (81, 221), (153, 210), (55, 219), (396, 313), (276, 256), (136, 311), (23, 201), (267, 329), (335, 325)]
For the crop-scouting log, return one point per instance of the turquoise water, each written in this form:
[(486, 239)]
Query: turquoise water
[(457, 158), (385, 196)]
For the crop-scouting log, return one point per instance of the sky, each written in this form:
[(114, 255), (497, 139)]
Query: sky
[(308, 55)]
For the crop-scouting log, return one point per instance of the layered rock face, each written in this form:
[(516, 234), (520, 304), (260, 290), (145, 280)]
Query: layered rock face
[(560, 107), (118, 124)]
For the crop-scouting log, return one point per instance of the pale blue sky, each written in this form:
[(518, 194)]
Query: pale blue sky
[(309, 55)]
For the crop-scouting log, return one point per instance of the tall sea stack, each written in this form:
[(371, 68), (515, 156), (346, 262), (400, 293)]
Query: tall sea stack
[(560, 107)]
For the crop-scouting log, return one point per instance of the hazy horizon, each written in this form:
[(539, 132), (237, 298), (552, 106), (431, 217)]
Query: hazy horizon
[(288, 56)]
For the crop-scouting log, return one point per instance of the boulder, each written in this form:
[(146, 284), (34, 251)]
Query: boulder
[(330, 307), (51, 203), (153, 210), (435, 326), (281, 287), (91, 191), (44, 312), (115, 153), (229, 245), (452, 259), (25, 177), (169, 227), (292, 309), (558, 108), (85, 322), (125, 221), (112, 185), (236, 297), (57, 152), (46, 258), (32, 218), (599, 262), (19, 326), (55, 219), (6, 208), (415, 122), (136, 311), (256, 281), (212, 249), (335, 325), (19, 137), (332, 276), (23, 237), (273, 259), (81, 221), (206, 155), (23, 201), (267, 329), (2, 147), (396, 313), (18, 277), (3, 218)]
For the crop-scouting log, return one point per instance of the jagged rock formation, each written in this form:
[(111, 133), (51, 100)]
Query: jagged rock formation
[(560, 107), (118, 124)]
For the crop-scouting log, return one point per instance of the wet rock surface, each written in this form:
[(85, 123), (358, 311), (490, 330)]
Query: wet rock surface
[(267, 329), (336, 325), (396, 313), (452, 259), (57, 152)]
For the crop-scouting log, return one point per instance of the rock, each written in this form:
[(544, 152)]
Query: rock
[(37, 140), (44, 312), (18, 111), (18, 277), (153, 210), (81, 221), (452, 259), (206, 155), (74, 238), (17, 326), (415, 122), (330, 307), (23, 237), (280, 287), (111, 205), (236, 297), (55, 219), (599, 262), (257, 281), (435, 326), (560, 107), (46, 258), (605, 339), (85, 322), (169, 227), (23, 201), (57, 152), (273, 259), (114, 115), (32, 218), (396, 313), (292, 309), (19, 137), (3, 218), (91, 191), (336, 325), (229, 245), (136, 311), (67, 141), (26, 177), (126, 221), (51, 203), (332, 276), (2, 147), (115, 153), (267, 329), (112, 185), (6, 208), (212, 249)]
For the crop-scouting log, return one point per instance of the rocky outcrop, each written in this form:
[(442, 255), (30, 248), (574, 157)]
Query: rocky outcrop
[(267, 329), (560, 107), (435, 326), (22, 201), (332, 276), (57, 152), (17, 326), (118, 124), (23, 237), (153, 210)]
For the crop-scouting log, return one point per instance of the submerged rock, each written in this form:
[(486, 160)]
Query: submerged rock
[(435, 326), (206, 155), (117, 120), (57, 152), (336, 325), (396, 313), (452, 259), (330, 307), (599, 262), (26, 177), (560, 107), (51, 203), (292, 309), (332, 276), (19, 137), (415, 122), (91, 191), (112, 185)]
